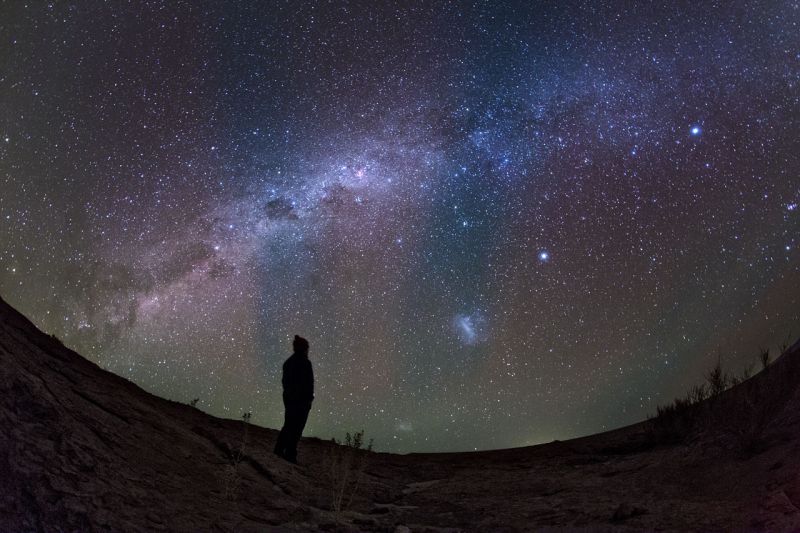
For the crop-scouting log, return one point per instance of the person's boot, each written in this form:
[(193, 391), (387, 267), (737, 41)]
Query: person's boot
[(291, 457), (278, 451)]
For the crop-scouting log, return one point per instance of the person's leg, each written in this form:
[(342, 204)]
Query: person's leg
[(280, 444), (292, 416), (299, 417), (302, 418)]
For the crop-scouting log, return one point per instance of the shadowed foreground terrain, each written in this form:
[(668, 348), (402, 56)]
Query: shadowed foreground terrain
[(82, 449)]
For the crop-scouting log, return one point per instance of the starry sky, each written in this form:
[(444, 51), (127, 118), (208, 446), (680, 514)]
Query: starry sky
[(497, 223)]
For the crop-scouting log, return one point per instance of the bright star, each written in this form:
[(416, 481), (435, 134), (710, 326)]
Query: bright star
[(544, 256), (695, 131)]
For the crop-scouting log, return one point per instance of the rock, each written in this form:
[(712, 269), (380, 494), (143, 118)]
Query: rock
[(625, 511)]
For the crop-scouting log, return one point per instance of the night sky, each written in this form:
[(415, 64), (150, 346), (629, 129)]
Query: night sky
[(497, 225)]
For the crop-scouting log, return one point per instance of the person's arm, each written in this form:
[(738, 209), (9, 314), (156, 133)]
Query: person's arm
[(311, 374), (288, 380)]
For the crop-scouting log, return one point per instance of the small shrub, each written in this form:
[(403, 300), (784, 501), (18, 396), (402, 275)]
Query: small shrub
[(747, 373), (674, 421), (697, 393), (684, 416), (717, 379), (347, 462), (235, 457), (763, 356), (193, 403), (785, 346)]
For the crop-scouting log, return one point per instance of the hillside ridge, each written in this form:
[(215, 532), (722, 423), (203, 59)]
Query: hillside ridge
[(84, 449)]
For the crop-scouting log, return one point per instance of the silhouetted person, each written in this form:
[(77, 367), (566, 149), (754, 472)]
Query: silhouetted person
[(298, 393)]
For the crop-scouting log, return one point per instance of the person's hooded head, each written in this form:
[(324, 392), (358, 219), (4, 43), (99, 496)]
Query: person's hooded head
[(300, 345)]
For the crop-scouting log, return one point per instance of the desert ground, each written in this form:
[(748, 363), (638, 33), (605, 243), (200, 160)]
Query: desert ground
[(82, 449)]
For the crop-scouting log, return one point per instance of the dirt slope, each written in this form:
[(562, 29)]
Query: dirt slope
[(84, 450)]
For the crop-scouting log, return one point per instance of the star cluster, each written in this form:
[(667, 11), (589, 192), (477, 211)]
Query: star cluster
[(498, 224)]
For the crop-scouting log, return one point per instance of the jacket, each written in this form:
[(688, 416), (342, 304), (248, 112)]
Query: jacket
[(298, 380)]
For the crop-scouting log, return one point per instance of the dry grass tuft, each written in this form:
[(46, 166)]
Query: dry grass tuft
[(346, 463)]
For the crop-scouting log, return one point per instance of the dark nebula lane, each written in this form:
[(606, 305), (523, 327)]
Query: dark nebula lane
[(497, 225)]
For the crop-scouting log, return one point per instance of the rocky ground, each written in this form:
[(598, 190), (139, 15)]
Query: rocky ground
[(84, 450)]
